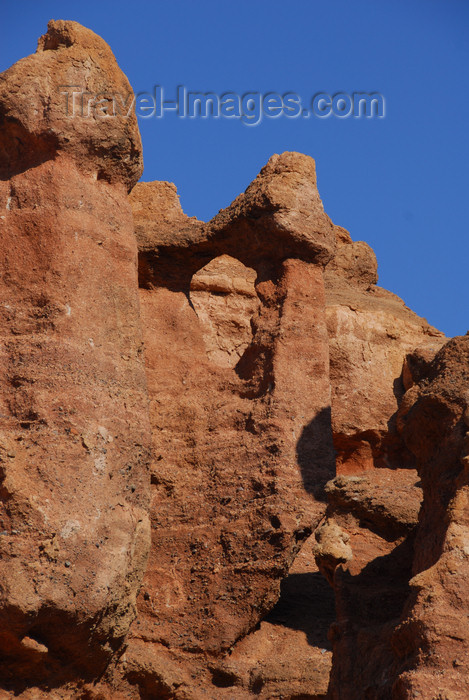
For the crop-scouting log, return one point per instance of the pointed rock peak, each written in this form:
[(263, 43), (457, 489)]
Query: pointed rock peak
[(65, 33), (70, 98), (290, 162), (280, 214)]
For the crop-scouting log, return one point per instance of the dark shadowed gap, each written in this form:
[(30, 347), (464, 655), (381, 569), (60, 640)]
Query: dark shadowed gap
[(316, 455), (307, 604)]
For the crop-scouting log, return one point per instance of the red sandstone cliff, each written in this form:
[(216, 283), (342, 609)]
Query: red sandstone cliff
[(238, 433), (73, 406)]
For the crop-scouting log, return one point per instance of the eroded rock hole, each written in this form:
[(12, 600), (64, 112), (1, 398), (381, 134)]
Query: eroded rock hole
[(225, 299), (223, 679)]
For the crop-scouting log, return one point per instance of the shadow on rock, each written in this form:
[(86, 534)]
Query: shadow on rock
[(306, 603), (316, 455)]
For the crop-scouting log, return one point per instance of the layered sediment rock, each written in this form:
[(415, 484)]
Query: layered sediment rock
[(75, 439)]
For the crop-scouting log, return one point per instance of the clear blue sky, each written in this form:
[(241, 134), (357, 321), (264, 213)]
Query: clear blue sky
[(399, 183)]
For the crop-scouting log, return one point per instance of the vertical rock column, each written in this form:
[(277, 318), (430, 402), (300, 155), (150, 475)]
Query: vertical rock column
[(74, 427), (302, 392)]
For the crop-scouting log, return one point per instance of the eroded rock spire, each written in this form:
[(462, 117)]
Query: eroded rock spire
[(74, 441)]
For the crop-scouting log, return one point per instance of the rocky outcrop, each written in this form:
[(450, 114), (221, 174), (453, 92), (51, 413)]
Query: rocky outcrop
[(431, 643), (241, 429), (224, 297), (400, 592), (224, 335), (209, 459), (370, 333), (365, 549), (74, 444), (71, 99)]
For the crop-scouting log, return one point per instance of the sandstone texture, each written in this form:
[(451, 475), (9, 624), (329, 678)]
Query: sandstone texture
[(241, 423), (401, 628), (224, 297), (231, 465), (431, 644), (41, 119), (370, 333), (366, 554), (75, 438)]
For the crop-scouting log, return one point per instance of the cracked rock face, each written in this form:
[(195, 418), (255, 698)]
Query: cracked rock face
[(234, 291), (224, 297), (401, 598), (365, 550), (74, 442), (370, 333)]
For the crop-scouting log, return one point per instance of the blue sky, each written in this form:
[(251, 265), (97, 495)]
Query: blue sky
[(398, 183)]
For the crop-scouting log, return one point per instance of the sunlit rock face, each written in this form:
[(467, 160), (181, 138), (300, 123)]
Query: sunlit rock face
[(75, 437), (237, 363), (224, 297), (215, 437)]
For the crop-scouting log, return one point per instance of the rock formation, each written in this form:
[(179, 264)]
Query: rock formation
[(431, 643), (75, 437), (241, 454), (370, 332), (366, 553), (210, 432)]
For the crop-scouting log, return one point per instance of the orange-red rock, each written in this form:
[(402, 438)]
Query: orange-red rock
[(241, 449), (227, 310), (41, 118), (431, 645), (74, 442), (370, 333), (268, 356), (365, 550)]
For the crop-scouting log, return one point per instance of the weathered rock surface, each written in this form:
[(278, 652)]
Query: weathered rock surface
[(269, 358), (223, 294), (242, 440), (401, 598), (432, 643), (366, 552), (74, 442), (289, 655), (370, 333), (280, 215), (224, 297), (385, 500), (41, 118)]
